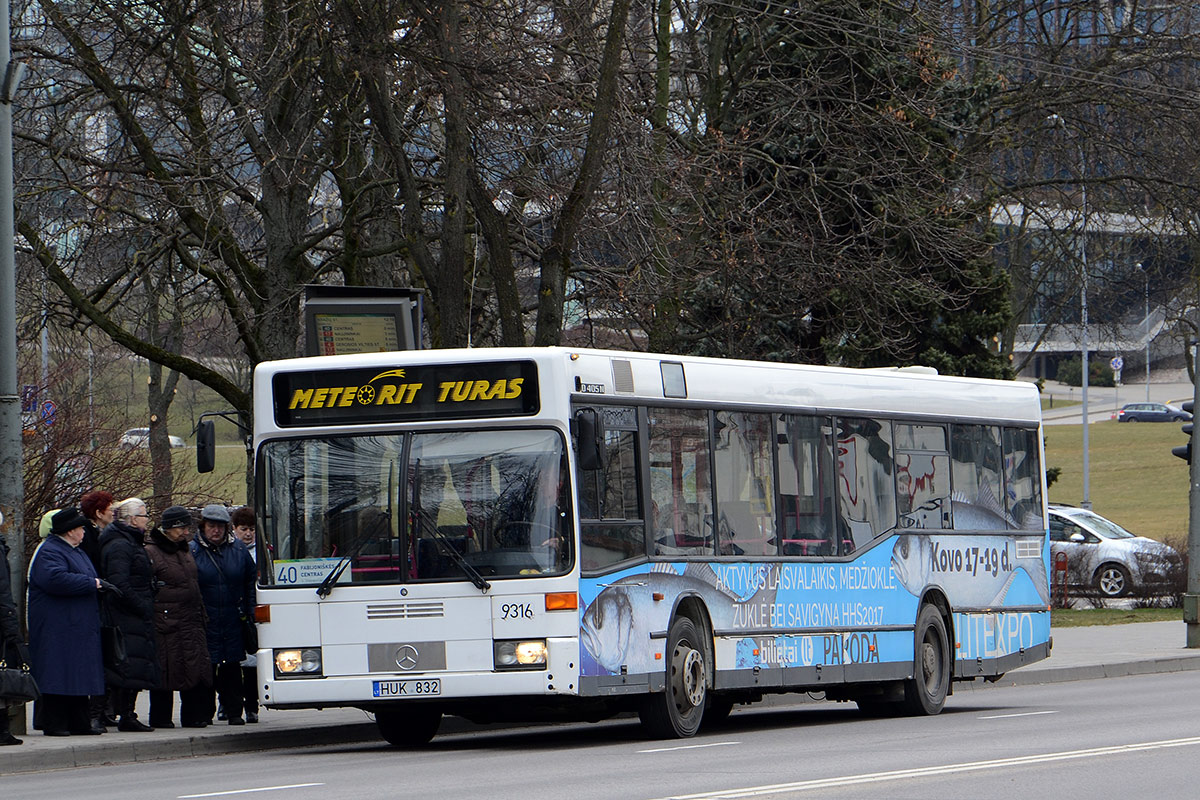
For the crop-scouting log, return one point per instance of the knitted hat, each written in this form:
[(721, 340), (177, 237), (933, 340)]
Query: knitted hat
[(176, 517)]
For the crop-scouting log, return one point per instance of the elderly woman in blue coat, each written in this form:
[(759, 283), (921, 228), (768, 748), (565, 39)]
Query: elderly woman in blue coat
[(64, 627), (226, 573)]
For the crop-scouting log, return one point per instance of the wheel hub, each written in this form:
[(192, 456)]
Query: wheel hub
[(688, 668), (929, 665)]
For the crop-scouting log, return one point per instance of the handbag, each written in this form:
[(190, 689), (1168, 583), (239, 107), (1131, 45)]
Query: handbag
[(112, 644), (17, 684), (249, 636)]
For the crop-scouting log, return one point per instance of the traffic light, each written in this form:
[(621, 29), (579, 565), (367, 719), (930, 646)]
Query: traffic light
[(1184, 451)]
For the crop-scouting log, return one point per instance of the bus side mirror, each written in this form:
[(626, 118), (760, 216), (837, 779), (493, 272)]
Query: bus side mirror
[(206, 446), (589, 435)]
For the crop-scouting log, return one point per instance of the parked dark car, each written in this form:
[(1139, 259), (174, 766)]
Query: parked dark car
[(1152, 412), (1104, 556)]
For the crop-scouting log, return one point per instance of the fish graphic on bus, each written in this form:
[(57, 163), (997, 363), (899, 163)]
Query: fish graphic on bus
[(616, 626), (978, 571)]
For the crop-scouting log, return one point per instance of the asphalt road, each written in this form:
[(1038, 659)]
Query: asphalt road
[(1119, 737)]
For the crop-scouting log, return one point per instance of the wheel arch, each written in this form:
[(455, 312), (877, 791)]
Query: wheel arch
[(937, 598)]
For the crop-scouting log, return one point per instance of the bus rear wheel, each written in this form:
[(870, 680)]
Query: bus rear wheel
[(925, 693), (411, 726), (676, 712)]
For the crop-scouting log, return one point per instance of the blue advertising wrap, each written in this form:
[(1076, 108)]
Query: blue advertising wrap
[(781, 614)]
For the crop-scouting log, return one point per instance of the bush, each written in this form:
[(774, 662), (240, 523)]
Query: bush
[(1099, 372)]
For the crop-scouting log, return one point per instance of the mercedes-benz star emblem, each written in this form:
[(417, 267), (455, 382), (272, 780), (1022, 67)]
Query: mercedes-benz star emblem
[(406, 656)]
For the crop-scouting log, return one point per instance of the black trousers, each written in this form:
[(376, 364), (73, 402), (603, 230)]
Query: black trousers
[(65, 712), (227, 680), (250, 689), (126, 702)]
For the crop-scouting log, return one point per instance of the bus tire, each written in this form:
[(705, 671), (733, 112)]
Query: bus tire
[(411, 726), (676, 712), (718, 711), (925, 693)]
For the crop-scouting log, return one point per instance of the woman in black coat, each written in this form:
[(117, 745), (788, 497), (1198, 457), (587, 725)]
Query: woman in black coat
[(12, 648), (125, 564)]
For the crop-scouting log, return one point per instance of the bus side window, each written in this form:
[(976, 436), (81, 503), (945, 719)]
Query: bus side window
[(866, 487), (805, 446), (975, 456), (611, 527), (744, 478), (922, 476), (680, 482), (1022, 480)]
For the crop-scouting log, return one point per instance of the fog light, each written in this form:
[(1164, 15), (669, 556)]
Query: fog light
[(521, 654), (298, 662)]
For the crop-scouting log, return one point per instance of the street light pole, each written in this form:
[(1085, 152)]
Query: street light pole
[(11, 488), (1057, 121), (1146, 323)]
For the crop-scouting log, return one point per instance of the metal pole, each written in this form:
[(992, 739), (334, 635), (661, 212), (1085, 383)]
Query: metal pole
[(1087, 501), (1146, 325), (1191, 598), (12, 490)]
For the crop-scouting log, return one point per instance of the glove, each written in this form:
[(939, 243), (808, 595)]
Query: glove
[(110, 589)]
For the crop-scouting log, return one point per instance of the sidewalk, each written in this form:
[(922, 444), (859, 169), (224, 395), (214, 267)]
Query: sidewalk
[(1078, 654)]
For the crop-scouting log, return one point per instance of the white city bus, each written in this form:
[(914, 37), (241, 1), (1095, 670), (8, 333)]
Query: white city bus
[(555, 533)]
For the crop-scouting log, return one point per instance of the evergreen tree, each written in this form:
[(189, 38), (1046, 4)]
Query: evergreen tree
[(829, 227)]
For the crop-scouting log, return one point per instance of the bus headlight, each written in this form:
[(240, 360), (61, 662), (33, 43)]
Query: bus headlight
[(520, 654), (297, 662)]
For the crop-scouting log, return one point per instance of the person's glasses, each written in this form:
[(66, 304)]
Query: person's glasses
[(141, 516)]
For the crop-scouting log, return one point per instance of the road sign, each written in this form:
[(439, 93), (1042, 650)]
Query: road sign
[(29, 393), (49, 409), (1117, 363)]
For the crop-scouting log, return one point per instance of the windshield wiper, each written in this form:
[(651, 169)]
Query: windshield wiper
[(326, 585), (329, 580), (426, 524)]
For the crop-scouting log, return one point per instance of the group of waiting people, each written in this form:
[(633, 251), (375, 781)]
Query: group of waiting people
[(180, 597)]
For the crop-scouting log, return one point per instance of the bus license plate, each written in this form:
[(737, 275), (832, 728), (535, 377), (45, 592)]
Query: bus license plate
[(414, 688)]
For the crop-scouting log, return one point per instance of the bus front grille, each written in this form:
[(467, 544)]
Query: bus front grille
[(412, 610)]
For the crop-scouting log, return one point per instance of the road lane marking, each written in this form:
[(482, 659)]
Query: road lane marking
[(1024, 714), (249, 791), (687, 747), (923, 772)]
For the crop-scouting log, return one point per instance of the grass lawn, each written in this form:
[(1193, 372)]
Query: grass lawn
[(1078, 618), (1051, 402), (1135, 481)]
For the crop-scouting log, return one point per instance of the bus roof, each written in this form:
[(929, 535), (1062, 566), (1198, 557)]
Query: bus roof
[(612, 376)]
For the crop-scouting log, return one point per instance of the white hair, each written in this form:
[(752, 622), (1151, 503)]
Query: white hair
[(129, 508)]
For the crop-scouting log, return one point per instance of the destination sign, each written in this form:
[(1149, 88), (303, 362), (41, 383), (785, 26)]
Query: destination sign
[(405, 394)]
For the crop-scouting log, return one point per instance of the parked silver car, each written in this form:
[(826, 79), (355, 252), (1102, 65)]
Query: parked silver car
[(1103, 555), (140, 437)]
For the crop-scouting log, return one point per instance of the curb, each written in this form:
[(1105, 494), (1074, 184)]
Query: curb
[(1121, 669)]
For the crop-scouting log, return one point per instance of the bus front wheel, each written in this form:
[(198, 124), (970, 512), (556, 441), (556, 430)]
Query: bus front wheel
[(411, 726), (676, 712), (925, 693)]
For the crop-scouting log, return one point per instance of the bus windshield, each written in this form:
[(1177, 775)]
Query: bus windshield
[(395, 505)]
